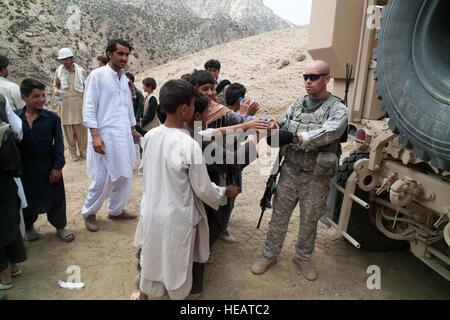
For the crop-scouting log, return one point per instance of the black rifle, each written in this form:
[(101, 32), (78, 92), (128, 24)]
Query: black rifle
[(271, 185), (348, 77)]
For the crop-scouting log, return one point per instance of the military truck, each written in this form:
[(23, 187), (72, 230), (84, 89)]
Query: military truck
[(393, 189)]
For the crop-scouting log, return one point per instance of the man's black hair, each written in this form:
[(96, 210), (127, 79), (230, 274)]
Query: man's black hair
[(201, 77), (222, 85), (112, 45), (175, 93), (187, 77), (201, 102), (234, 92), (130, 76), (149, 82), (214, 64), (4, 61), (29, 85)]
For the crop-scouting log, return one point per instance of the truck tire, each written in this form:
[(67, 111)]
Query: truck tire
[(360, 226), (413, 73)]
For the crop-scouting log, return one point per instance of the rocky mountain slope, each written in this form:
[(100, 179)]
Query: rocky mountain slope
[(270, 65), (252, 13), (160, 30)]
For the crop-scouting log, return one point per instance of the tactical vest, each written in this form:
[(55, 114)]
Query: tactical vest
[(304, 119)]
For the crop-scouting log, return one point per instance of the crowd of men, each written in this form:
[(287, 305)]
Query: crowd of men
[(187, 203)]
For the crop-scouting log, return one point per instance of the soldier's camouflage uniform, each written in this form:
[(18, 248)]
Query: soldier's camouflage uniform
[(306, 171)]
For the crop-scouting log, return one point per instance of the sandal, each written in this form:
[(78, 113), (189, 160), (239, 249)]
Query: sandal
[(5, 286), (65, 235), (17, 272), (31, 235)]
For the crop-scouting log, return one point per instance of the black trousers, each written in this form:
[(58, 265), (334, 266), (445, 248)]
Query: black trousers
[(14, 252), (215, 229), (56, 215)]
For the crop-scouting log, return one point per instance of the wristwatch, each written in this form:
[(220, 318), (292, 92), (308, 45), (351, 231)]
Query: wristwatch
[(295, 138)]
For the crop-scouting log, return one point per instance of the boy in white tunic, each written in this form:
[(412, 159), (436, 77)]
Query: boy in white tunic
[(173, 228)]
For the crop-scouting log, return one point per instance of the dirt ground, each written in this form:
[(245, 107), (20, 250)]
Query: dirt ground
[(108, 265), (107, 260)]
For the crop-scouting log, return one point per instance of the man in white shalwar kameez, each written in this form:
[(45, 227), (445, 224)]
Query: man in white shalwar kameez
[(108, 113), (173, 228)]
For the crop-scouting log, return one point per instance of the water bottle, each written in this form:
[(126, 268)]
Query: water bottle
[(60, 95)]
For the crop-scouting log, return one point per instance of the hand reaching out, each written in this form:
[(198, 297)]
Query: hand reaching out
[(257, 124)]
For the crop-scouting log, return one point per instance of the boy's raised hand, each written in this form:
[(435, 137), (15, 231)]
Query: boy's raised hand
[(232, 191), (252, 109)]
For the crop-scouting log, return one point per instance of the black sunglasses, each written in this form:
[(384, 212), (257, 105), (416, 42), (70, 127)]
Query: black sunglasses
[(313, 76)]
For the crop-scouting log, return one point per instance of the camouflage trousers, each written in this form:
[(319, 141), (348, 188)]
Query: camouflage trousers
[(311, 192)]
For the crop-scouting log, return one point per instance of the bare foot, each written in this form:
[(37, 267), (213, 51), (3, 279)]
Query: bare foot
[(14, 269), (5, 278), (137, 295)]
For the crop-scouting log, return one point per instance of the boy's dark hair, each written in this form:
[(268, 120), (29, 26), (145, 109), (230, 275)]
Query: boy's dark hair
[(112, 45), (186, 77), (201, 102), (4, 61), (149, 82), (222, 85), (103, 58), (214, 64), (175, 93), (234, 92), (130, 76), (29, 85), (201, 77)]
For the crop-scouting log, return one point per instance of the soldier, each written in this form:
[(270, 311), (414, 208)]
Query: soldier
[(316, 122)]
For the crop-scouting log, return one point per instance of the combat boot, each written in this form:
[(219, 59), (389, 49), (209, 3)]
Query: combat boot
[(306, 268), (262, 264)]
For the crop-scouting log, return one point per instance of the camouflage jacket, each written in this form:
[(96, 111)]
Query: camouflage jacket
[(320, 126)]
